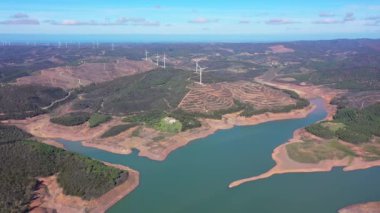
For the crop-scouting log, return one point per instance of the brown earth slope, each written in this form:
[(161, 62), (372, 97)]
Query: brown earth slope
[(74, 76)]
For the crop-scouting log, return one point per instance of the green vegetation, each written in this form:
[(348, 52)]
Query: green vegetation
[(71, 119), (23, 161), (374, 152), (333, 126), (314, 152), (170, 125), (321, 131), (351, 125), (325, 129), (154, 118), (115, 130), (187, 120), (158, 138), (149, 118), (19, 102), (136, 132), (157, 90), (96, 119), (11, 134)]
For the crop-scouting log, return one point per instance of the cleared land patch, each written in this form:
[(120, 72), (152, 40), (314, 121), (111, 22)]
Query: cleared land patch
[(222, 96), (314, 152), (75, 76)]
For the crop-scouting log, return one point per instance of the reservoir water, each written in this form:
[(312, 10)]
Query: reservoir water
[(195, 178)]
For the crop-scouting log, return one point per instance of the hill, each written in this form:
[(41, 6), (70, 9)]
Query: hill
[(18, 102), (155, 90)]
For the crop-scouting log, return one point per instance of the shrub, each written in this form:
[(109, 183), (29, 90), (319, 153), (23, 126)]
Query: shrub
[(96, 119), (72, 119), (115, 130)]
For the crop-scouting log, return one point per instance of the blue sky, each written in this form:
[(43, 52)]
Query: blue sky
[(199, 17)]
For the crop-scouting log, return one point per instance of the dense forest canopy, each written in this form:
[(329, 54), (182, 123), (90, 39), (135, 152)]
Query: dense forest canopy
[(23, 161), (18, 102)]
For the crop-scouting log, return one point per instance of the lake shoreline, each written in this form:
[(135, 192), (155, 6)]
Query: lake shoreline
[(370, 207), (47, 132), (52, 198), (284, 164)]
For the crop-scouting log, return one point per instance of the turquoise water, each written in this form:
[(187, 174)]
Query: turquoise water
[(195, 178)]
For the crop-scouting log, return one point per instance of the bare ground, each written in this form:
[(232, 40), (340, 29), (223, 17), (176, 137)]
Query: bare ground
[(220, 96), (69, 77), (371, 207)]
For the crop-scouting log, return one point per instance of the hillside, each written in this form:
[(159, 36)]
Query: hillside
[(155, 90), (18, 102)]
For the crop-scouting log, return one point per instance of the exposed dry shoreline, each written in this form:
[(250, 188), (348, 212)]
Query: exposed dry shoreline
[(286, 165), (210, 126), (42, 128), (370, 207), (51, 197)]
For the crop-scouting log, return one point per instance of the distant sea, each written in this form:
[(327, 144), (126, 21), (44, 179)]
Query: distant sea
[(49, 38)]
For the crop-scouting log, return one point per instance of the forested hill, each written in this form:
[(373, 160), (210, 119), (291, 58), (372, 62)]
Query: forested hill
[(22, 161), (155, 90), (19, 102)]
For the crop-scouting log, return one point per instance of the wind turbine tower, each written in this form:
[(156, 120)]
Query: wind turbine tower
[(146, 55), (201, 69), (164, 61), (196, 65), (157, 59), (112, 47)]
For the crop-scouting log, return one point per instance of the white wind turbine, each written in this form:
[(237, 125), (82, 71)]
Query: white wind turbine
[(197, 65), (157, 59), (164, 61), (201, 69), (146, 55)]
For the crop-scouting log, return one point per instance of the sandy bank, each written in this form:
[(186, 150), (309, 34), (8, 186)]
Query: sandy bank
[(51, 197), (284, 164), (371, 207)]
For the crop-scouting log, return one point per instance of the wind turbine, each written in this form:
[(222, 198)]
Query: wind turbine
[(146, 55), (157, 59), (201, 69), (112, 47), (197, 65), (164, 61)]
